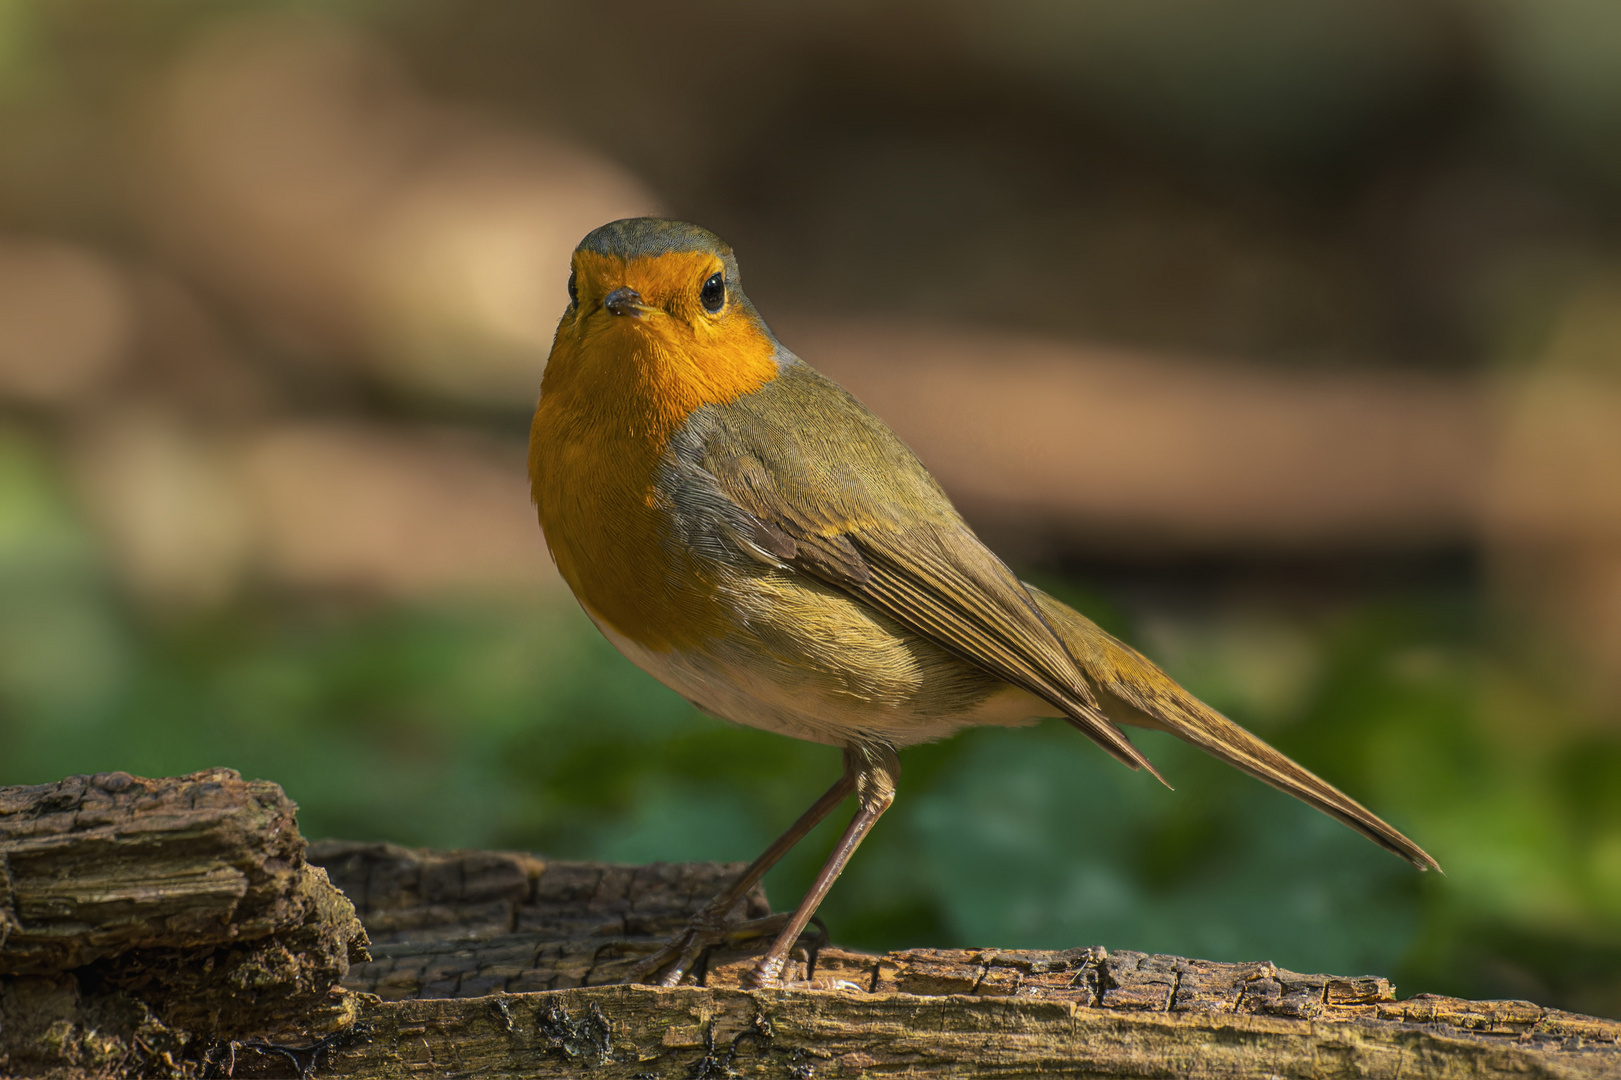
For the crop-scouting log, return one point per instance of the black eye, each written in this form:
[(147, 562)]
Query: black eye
[(713, 294), (573, 295)]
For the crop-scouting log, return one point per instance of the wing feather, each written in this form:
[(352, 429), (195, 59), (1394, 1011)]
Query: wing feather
[(880, 530)]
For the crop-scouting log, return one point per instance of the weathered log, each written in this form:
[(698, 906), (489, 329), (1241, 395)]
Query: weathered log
[(463, 924), (493, 964), (166, 906)]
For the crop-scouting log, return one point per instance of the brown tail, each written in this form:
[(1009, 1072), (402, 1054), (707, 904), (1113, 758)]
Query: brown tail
[(1134, 691)]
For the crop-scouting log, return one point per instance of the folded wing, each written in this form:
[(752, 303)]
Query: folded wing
[(817, 483)]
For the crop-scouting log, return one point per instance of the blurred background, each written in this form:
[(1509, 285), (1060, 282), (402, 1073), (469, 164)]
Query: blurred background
[(1283, 338)]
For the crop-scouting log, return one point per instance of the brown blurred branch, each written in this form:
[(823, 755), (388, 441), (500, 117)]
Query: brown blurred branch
[(489, 963)]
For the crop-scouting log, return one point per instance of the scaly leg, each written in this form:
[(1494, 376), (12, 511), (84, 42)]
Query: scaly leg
[(877, 770), (709, 927)]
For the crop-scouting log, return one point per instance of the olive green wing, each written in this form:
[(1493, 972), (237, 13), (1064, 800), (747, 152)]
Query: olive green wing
[(819, 484)]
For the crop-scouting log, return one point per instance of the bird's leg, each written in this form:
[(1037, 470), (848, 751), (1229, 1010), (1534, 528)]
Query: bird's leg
[(877, 770), (709, 927)]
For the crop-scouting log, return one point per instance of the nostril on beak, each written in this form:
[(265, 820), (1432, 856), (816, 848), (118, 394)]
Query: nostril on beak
[(624, 301)]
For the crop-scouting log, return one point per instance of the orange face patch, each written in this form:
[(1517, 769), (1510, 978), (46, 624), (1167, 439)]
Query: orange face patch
[(677, 356), (616, 388)]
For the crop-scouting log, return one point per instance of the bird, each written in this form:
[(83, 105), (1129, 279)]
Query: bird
[(744, 530)]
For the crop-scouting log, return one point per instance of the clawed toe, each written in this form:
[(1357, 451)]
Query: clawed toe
[(672, 960), (671, 964), (765, 976)]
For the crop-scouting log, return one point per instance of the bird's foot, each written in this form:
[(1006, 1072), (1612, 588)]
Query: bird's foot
[(675, 961), (771, 971), (767, 974)]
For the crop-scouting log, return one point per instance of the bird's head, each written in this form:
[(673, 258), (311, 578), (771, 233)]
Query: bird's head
[(650, 269), (657, 311)]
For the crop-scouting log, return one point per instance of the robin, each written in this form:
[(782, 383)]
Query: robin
[(742, 529)]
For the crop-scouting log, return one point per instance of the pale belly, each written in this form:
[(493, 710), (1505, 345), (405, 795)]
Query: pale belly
[(872, 686)]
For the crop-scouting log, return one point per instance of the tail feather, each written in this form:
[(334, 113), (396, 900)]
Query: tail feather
[(1134, 691)]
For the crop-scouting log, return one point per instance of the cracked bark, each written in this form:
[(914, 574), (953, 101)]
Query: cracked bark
[(147, 924)]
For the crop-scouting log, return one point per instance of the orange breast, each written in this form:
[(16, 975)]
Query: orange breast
[(615, 390)]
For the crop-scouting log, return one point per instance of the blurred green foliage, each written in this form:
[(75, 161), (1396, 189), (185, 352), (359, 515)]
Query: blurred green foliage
[(505, 724)]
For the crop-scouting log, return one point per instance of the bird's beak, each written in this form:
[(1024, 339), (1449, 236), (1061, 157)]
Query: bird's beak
[(625, 301)]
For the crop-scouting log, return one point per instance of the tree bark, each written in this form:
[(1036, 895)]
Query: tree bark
[(178, 927)]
